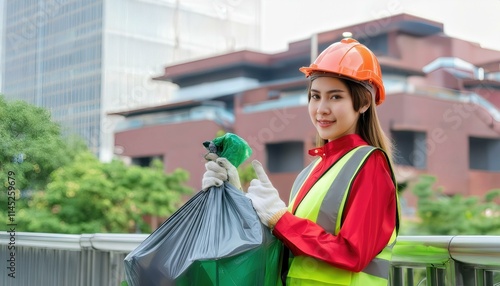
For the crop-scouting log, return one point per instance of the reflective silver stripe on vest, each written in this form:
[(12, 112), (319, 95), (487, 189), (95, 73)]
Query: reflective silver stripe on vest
[(330, 206), (378, 267), (300, 179)]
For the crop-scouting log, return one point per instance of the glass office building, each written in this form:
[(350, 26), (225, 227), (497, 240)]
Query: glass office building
[(83, 59)]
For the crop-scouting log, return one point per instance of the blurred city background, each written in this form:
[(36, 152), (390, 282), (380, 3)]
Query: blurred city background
[(105, 104)]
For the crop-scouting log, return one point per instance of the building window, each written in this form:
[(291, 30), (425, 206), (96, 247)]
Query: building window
[(484, 154), (410, 148), (145, 161), (285, 157)]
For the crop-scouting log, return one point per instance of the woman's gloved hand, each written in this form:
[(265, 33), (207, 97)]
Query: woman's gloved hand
[(219, 170), (265, 198)]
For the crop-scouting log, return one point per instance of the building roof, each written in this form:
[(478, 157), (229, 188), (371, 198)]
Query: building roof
[(402, 23), (216, 63)]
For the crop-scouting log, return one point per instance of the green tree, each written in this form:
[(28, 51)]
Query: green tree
[(247, 174), (440, 214), (88, 196), (61, 187), (31, 148), (31, 144)]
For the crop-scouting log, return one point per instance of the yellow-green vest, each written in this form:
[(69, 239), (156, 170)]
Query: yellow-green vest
[(324, 205)]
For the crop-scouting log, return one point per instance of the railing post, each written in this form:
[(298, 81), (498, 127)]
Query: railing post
[(466, 274), (450, 273), (397, 276), (441, 276), (429, 273), (479, 274), (488, 278), (85, 269), (409, 276), (437, 276)]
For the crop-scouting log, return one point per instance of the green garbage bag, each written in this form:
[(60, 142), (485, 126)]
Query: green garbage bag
[(230, 146), (216, 238)]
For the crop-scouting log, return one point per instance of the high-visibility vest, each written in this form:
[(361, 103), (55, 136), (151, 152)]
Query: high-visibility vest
[(324, 205)]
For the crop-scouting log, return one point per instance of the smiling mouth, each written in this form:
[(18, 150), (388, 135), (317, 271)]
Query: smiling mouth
[(325, 123)]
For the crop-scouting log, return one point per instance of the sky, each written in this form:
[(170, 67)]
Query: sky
[(285, 21)]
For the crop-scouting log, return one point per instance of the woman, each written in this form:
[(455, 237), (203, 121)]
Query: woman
[(342, 218)]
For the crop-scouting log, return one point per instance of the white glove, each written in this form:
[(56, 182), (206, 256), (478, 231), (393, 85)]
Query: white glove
[(265, 198), (217, 171)]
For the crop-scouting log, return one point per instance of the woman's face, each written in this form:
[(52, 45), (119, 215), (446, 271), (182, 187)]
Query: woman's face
[(331, 109)]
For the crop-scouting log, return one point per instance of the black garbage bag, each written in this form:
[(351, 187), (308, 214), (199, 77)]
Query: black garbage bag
[(216, 238)]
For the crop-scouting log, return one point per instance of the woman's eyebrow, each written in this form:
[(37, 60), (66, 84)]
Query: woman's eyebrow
[(329, 91)]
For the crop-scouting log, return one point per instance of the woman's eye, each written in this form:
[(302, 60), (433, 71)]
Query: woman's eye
[(314, 96)]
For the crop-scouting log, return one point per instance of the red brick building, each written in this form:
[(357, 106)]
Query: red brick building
[(441, 110)]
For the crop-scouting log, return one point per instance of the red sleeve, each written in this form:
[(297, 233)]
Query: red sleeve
[(368, 222)]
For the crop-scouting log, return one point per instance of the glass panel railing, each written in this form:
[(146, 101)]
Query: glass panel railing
[(456, 95), (282, 102), (220, 115), (483, 102)]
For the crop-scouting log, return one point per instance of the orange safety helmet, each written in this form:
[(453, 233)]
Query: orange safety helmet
[(352, 60)]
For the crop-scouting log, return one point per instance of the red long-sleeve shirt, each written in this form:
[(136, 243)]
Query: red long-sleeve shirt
[(368, 220)]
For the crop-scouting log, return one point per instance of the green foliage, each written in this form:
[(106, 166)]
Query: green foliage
[(440, 214), (88, 196), (31, 144), (247, 174), (61, 187), (31, 148)]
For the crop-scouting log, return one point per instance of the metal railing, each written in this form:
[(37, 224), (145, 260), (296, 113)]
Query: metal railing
[(97, 259), (45, 259), (446, 260)]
